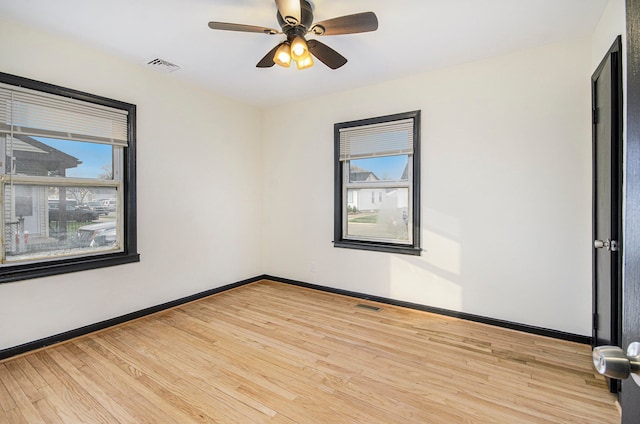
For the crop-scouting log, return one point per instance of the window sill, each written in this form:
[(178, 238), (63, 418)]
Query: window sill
[(46, 269), (378, 247)]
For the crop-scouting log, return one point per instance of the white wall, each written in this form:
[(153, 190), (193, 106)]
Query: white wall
[(506, 190), (612, 24), (199, 201)]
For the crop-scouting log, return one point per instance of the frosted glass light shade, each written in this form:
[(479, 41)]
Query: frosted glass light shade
[(298, 48), (283, 55), (305, 62)]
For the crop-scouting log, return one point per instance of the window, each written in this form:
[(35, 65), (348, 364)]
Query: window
[(379, 155), (67, 180)]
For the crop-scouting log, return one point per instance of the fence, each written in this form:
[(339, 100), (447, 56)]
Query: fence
[(16, 238)]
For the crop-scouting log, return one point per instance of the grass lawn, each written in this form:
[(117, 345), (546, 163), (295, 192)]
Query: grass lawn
[(365, 219)]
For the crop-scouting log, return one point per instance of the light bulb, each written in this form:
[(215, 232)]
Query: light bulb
[(298, 48), (305, 61), (283, 55)]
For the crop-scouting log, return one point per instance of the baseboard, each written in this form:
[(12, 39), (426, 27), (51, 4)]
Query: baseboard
[(58, 338), (469, 317), (68, 335)]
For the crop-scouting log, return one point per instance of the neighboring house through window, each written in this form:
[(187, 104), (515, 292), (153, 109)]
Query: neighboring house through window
[(68, 157), (377, 177)]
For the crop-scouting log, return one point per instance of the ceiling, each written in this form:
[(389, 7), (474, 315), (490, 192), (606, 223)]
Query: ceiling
[(413, 36)]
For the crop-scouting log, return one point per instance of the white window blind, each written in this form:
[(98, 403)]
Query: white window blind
[(384, 139), (23, 112)]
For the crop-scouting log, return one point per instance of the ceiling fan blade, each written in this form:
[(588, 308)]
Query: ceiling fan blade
[(289, 10), (242, 28), (349, 24), (326, 54), (267, 60)]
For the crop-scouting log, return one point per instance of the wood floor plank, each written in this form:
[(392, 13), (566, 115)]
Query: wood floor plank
[(14, 416), (20, 394), (25, 384), (121, 386), (30, 372), (155, 386), (54, 392), (275, 353), (80, 398), (6, 400), (47, 413), (189, 367), (74, 368)]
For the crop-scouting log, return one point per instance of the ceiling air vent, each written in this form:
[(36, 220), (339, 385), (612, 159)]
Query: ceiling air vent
[(163, 65)]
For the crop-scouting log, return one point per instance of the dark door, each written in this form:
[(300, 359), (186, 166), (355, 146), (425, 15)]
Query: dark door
[(630, 395), (606, 94)]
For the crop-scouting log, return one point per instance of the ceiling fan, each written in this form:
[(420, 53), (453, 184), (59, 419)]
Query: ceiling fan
[(295, 18)]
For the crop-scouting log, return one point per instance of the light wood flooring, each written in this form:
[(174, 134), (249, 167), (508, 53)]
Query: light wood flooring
[(275, 353)]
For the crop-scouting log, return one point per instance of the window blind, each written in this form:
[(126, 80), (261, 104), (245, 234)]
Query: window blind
[(23, 112), (383, 139)]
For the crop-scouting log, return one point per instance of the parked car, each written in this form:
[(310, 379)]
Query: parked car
[(74, 213), (97, 207), (96, 235), (110, 204)]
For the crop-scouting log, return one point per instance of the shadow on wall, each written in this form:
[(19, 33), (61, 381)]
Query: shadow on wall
[(435, 278)]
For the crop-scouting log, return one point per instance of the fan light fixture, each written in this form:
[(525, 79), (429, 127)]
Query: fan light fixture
[(295, 18), (298, 50), (283, 55), (305, 61)]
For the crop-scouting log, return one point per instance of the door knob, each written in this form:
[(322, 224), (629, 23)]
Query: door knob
[(599, 244), (612, 361), (606, 244)]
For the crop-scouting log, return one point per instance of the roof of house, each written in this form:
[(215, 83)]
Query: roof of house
[(405, 173), (31, 153), (359, 176)]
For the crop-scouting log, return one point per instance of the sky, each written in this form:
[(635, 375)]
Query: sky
[(93, 156)]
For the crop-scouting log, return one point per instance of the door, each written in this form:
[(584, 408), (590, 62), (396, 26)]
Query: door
[(606, 95), (630, 394)]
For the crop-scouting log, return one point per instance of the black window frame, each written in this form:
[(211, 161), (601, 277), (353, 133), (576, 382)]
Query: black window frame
[(129, 254), (339, 240)]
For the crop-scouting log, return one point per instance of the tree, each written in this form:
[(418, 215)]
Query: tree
[(107, 174), (356, 168), (79, 194)]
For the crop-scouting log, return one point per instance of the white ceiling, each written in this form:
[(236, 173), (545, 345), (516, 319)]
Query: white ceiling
[(413, 36)]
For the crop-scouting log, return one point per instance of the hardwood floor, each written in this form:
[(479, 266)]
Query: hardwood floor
[(274, 353)]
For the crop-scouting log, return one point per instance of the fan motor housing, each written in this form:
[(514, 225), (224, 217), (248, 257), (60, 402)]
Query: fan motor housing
[(306, 18)]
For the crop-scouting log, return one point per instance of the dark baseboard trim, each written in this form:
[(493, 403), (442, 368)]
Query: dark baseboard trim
[(68, 335), (469, 317), (78, 332)]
